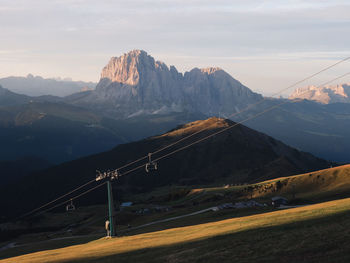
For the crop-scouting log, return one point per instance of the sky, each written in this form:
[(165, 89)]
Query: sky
[(266, 45)]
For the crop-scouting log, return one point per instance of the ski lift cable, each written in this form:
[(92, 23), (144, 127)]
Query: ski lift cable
[(237, 113), (58, 198), (189, 145), (133, 162), (187, 137), (73, 198), (202, 139), (245, 120), (313, 75), (255, 104), (231, 126)]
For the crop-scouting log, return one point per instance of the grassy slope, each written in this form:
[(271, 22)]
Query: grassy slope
[(316, 233), (327, 184), (316, 186), (324, 184)]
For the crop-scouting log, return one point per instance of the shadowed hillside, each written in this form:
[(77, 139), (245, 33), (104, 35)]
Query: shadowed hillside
[(60, 132), (237, 156), (316, 233)]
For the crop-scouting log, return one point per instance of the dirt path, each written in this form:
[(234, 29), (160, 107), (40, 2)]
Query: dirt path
[(171, 218)]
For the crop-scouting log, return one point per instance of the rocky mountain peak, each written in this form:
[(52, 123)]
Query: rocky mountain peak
[(325, 95), (210, 70), (135, 83), (126, 68)]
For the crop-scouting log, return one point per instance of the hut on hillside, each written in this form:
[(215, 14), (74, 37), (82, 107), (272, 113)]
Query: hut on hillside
[(277, 201)]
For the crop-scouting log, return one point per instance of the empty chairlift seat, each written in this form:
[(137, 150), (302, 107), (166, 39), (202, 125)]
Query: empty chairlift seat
[(151, 165)]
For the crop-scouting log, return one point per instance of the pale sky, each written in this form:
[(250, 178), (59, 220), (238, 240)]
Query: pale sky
[(267, 45)]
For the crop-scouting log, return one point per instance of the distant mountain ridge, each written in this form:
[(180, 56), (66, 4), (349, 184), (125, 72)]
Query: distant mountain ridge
[(136, 84), (325, 95), (38, 86), (56, 131), (141, 97), (8, 97)]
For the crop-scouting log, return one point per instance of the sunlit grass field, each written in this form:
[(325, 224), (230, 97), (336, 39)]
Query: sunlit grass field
[(315, 233), (323, 185)]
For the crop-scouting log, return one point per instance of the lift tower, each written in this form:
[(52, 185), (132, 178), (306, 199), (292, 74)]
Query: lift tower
[(110, 176)]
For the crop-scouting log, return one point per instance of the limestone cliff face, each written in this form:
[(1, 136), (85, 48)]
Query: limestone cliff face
[(214, 92), (135, 83), (325, 95)]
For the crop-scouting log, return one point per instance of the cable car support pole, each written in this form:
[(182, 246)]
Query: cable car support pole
[(109, 175), (110, 208)]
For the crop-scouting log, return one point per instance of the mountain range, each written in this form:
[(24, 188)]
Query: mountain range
[(138, 96), (135, 84), (45, 128), (39, 86), (325, 95), (307, 125)]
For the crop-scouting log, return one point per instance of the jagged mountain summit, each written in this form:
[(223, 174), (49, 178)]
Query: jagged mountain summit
[(135, 84), (325, 95)]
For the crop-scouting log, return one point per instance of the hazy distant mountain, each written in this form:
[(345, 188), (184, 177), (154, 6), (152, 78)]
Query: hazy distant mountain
[(10, 98), (47, 128), (237, 155), (60, 132), (53, 131), (37, 86), (136, 84), (320, 129), (325, 95)]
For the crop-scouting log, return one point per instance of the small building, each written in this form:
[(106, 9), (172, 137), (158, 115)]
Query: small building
[(277, 201), (124, 205)]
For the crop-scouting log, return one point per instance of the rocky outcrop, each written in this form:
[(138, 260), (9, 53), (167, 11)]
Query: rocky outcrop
[(135, 83), (325, 95)]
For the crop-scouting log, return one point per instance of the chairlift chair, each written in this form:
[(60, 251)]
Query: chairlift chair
[(70, 206), (151, 165)]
